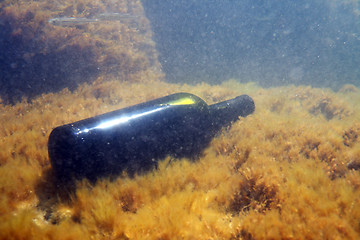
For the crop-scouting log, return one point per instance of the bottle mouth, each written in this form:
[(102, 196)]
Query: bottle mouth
[(243, 105), (228, 111)]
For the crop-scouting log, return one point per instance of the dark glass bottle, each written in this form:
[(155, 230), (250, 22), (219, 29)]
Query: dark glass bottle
[(135, 138)]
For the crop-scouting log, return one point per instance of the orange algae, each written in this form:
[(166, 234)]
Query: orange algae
[(290, 170)]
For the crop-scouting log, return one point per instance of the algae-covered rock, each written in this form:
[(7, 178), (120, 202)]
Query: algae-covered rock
[(38, 56)]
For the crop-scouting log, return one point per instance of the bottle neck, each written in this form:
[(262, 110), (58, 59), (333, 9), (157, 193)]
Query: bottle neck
[(223, 113)]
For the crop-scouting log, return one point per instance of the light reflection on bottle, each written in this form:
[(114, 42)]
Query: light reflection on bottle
[(113, 122)]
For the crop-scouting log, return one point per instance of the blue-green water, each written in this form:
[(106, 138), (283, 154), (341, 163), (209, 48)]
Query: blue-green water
[(270, 42), (47, 46)]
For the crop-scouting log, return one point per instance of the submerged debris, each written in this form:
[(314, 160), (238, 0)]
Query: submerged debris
[(75, 21)]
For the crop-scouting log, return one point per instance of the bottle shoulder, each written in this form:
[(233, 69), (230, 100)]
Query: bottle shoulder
[(178, 105)]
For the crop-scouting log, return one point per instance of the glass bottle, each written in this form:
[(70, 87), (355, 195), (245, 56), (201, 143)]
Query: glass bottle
[(135, 138)]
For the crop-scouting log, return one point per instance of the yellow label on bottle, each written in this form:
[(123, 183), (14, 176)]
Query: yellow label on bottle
[(181, 101)]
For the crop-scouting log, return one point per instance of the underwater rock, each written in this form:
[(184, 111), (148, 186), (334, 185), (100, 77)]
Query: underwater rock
[(39, 57)]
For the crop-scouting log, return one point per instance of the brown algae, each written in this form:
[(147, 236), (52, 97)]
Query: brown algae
[(284, 172)]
